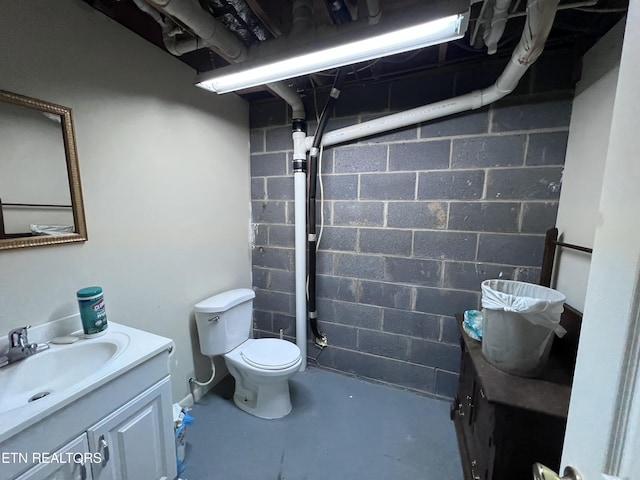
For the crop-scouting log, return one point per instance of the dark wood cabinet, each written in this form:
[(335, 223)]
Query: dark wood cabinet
[(506, 423)]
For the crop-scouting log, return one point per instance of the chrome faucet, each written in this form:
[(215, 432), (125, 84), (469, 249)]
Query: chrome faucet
[(19, 346)]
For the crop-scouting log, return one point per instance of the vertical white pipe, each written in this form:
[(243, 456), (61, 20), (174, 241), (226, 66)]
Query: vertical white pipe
[(300, 241), (497, 25), (373, 8), (300, 194), (302, 17)]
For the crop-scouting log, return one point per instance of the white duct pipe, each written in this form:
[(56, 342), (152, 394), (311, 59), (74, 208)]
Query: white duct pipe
[(289, 95), (302, 16), (300, 216), (373, 9), (177, 48), (569, 6), (302, 21), (168, 33), (540, 16), (212, 32), (482, 19), (152, 12), (498, 22)]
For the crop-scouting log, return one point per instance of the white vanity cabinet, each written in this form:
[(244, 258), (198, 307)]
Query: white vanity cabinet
[(131, 442), (119, 429)]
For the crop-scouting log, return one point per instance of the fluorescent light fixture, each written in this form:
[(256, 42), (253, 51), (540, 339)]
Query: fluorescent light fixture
[(243, 75)]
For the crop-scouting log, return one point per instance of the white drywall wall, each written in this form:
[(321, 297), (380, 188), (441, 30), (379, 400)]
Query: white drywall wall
[(605, 381), (165, 176), (585, 163)]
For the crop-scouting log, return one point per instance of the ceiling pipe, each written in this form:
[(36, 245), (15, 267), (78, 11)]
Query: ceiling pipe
[(290, 96), (497, 25), (568, 6), (180, 47), (480, 22), (302, 21), (373, 9), (169, 32), (213, 34), (540, 16), (302, 16)]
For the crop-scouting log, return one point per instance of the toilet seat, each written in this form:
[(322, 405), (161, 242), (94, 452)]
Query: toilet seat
[(271, 354)]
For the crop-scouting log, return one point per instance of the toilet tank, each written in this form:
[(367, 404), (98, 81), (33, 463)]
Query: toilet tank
[(224, 320)]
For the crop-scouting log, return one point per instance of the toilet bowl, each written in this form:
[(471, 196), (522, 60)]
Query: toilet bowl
[(260, 367)]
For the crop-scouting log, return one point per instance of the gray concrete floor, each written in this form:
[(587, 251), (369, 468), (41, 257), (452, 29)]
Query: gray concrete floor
[(340, 428)]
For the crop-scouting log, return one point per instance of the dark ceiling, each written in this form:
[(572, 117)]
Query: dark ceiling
[(578, 25)]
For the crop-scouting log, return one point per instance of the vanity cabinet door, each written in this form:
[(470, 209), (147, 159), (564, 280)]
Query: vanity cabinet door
[(71, 462), (136, 442)]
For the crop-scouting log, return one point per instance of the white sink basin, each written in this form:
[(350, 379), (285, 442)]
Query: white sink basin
[(57, 378), (58, 369)]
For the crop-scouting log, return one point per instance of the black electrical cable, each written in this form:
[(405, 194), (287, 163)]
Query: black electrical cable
[(319, 338)]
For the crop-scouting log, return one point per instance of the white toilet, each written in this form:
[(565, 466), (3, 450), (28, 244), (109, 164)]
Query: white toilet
[(261, 367)]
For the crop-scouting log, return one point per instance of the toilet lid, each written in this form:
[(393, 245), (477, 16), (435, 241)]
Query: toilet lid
[(271, 354)]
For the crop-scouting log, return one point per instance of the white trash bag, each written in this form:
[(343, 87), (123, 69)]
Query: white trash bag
[(518, 325)]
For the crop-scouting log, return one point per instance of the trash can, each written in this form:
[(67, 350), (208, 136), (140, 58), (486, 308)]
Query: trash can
[(518, 325)]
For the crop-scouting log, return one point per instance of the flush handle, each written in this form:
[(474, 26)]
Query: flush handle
[(214, 319), (540, 472)]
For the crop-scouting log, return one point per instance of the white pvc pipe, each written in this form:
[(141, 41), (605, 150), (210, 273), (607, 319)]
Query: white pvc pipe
[(214, 35), (302, 14), (179, 48), (289, 95), (482, 19), (496, 25), (300, 244), (540, 16), (302, 17), (212, 32), (373, 9), (300, 200)]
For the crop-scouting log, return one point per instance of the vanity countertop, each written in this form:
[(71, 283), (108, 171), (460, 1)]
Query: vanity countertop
[(134, 347)]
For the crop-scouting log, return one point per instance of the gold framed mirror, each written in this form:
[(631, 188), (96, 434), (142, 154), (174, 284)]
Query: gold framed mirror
[(40, 190)]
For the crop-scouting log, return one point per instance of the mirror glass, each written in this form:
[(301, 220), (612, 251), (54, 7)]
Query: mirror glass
[(40, 192)]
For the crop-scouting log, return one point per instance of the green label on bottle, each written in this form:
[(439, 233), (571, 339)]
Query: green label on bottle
[(93, 314)]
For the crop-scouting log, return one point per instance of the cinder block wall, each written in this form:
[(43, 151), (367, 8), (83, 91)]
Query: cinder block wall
[(414, 220)]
